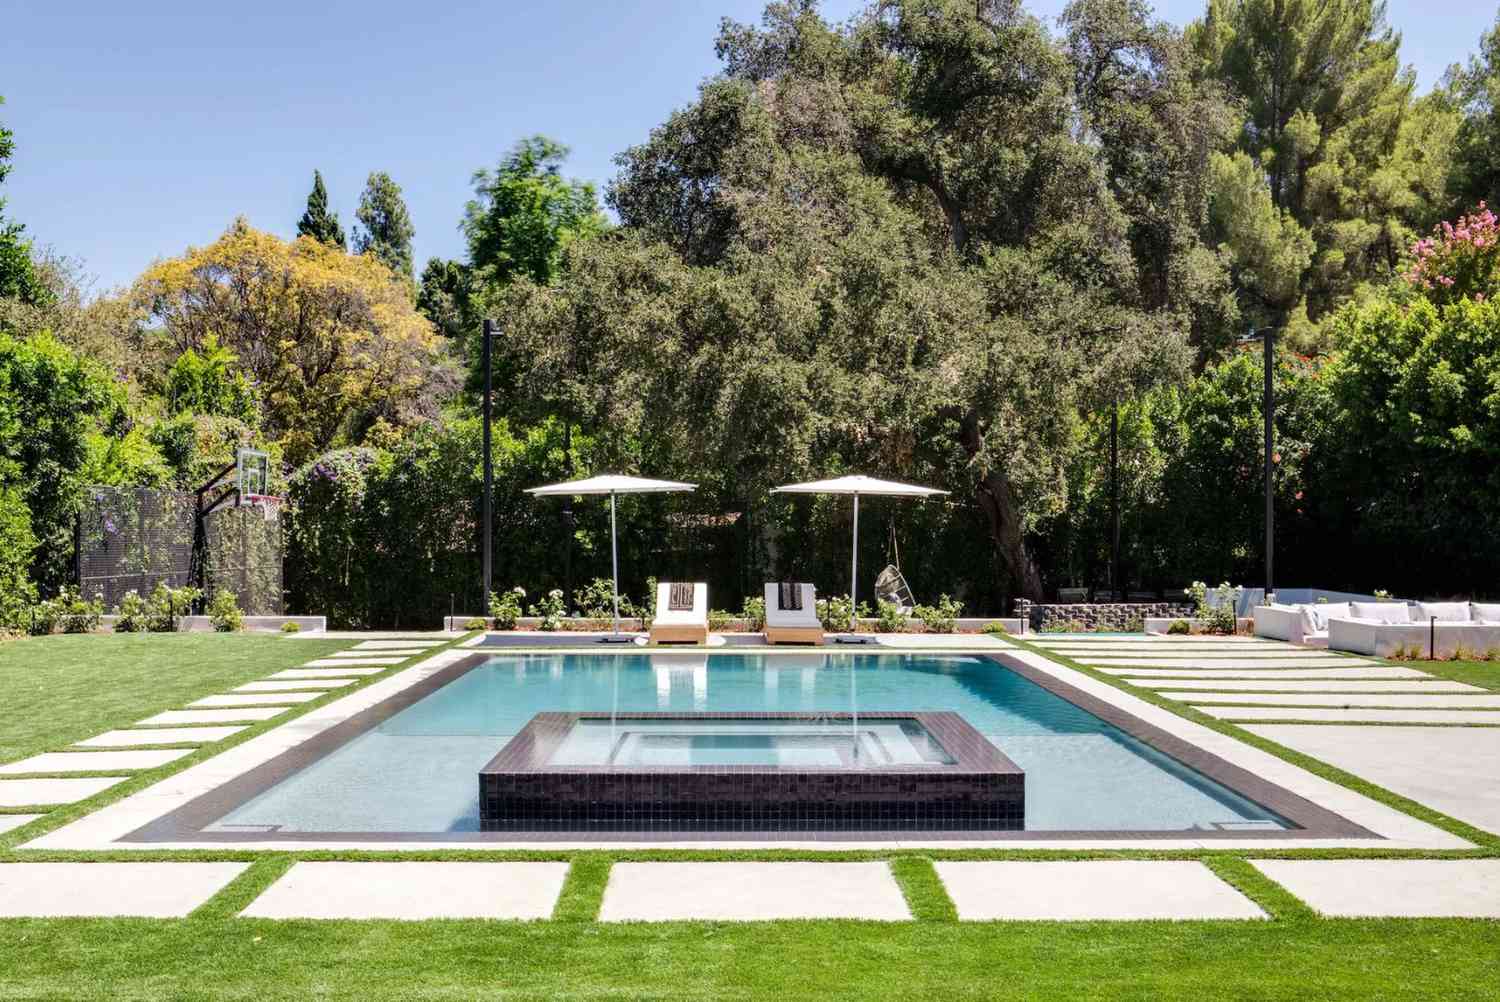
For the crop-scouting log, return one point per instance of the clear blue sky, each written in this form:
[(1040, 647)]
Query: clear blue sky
[(143, 128)]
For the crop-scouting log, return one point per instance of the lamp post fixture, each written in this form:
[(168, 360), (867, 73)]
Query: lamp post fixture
[(491, 328), (1267, 337), (1116, 581)]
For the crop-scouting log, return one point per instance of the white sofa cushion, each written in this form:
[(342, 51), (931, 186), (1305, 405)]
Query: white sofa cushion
[(1443, 612), (1315, 615), (1487, 613), (1381, 612)]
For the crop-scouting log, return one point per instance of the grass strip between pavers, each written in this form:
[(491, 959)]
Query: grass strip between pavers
[(582, 892), (923, 889)]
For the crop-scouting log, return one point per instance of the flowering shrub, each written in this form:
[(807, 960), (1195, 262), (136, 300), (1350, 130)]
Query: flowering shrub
[(550, 608), (505, 608), (1459, 260)]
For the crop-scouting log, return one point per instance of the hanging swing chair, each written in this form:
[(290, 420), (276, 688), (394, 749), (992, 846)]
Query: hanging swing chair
[(890, 584)]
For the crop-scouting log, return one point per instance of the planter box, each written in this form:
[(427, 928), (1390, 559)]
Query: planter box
[(253, 624)]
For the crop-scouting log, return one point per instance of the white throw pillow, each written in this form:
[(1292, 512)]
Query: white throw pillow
[(1324, 611), (1381, 612), (1443, 612), (1487, 613)]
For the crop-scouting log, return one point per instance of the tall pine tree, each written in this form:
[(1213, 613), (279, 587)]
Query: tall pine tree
[(385, 228), (317, 222)]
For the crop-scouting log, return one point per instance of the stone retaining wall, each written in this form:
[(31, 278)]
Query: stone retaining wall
[(1099, 616)]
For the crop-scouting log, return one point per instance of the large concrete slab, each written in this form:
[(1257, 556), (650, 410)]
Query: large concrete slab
[(386, 645), (1450, 769), (110, 890), (353, 671), (1391, 888), (412, 890), (1373, 671), (174, 718), (93, 761), (1408, 701), (1174, 651), (159, 736), (1092, 889), (266, 699), (295, 685), (658, 892), (1217, 662), (389, 652), (10, 822), (1065, 639), (1354, 716), (36, 792), (345, 662), (1303, 685)]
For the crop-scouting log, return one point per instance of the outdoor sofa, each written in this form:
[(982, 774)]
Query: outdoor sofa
[(681, 613), (1435, 629), (792, 614)]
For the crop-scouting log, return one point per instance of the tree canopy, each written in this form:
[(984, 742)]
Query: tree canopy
[(385, 228), (317, 222)]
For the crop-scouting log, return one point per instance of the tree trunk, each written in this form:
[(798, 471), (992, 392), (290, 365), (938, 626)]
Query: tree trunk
[(998, 502)]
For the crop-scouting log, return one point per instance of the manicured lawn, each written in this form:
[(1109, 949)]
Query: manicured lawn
[(57, 690), (241, 959), (1485, 674)]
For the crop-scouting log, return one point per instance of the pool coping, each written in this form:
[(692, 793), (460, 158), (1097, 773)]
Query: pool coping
[(1340, 818)]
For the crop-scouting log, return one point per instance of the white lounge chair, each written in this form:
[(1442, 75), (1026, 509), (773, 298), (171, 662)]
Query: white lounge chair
[(793, 626), (683, 624)]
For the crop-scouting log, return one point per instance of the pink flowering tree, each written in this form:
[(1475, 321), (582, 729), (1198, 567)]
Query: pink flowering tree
[(1459, 260)]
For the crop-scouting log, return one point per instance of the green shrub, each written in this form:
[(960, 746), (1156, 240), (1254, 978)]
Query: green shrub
[(1179, 627), (837, 614), (130, 614), (720, 620), (167, 605), (891, 618), (224, 612), (475, 624), (17, 543), (596, 599), (550, 608), (995, 629), (73, 613), (1215, 617), (754, 614), (940, 618), (291, 626), (505, 609)]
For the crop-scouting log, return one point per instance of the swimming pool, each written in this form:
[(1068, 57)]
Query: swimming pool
[(410, 770)]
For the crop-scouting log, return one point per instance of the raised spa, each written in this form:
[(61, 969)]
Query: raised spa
[(750, 771)]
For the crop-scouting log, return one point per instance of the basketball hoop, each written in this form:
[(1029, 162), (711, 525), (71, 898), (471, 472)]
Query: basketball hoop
[(269, 504)]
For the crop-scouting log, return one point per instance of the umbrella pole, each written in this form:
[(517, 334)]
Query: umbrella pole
[(854, 574), (614, 560)]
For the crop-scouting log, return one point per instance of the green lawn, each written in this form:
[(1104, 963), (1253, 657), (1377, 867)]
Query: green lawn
[(227, 959), (1485, 674), (58, 690)]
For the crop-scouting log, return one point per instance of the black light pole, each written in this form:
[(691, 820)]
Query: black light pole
[(1267, 338), (1116, 582), (490, 329), (567, 514)]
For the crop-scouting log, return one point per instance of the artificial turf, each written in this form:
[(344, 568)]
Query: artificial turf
[(61, 689)]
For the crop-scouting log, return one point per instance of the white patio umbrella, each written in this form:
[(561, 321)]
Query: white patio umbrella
[(612, 484), (857, 485)]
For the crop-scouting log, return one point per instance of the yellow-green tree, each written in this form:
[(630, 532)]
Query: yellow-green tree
[(332, 341)]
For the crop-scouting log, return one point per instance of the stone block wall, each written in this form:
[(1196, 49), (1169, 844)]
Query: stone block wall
[(1098, 616)]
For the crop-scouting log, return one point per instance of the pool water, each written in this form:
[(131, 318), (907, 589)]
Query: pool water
[(417, 771), (830, 744)]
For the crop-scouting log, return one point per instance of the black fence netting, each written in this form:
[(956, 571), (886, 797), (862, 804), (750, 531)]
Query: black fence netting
[(244, 554), (134, 538)]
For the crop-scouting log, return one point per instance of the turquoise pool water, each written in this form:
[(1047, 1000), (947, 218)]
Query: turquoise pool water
[(417, 771)]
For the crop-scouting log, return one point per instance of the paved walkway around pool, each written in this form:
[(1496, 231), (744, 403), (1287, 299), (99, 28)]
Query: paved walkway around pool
[(1437, 743), (44, 781), (1081, 890)]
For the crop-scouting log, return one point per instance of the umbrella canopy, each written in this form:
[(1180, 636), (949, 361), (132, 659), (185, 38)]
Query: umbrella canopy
[(612, 484), (856, 485)]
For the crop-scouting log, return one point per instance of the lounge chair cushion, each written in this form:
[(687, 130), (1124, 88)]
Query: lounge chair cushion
[(789, 597), (1315, 615), (1380, 612), (1443, 612), (1487, 613)]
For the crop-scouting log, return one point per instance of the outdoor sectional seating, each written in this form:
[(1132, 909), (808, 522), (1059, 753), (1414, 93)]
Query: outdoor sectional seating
[(1436, 629)]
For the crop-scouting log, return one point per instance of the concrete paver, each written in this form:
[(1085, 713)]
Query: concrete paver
[(150, 890), (1093, 889), (655, 892), (412, 890), (1391, 888)]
